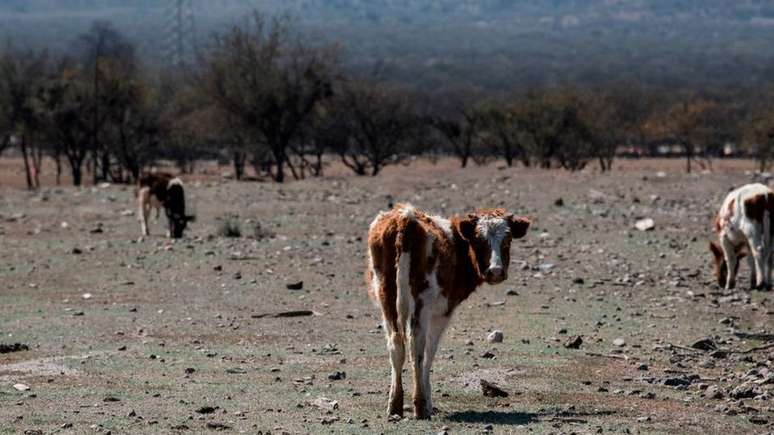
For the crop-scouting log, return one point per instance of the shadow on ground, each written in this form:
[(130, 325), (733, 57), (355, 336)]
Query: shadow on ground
[(494, 417), (515, 418)]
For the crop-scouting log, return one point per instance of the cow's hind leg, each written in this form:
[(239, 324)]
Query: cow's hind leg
[(417, 339), (751, 266), (381, 290), (397, 349)]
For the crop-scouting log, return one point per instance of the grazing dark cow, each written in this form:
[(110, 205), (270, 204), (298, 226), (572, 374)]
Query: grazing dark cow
[(744, 228), (161, 190), (420, 269)]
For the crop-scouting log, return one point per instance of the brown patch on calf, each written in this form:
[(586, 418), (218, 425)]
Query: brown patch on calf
[(756, 206), (157, 183), (381, 243)]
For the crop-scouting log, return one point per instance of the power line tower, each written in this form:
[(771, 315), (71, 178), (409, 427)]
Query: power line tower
[(180, 33)]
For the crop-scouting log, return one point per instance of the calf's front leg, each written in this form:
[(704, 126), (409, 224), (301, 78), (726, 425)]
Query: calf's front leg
[(437, 326), (143, 209), (731, 263)]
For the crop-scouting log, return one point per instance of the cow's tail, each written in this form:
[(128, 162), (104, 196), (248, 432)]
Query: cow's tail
[(403, 240)]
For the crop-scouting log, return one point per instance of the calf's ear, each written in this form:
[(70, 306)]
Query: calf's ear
[(466, 226), (519, 226)]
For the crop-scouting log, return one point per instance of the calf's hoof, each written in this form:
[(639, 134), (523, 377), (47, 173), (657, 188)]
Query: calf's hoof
[(421, 412), (395, 409)]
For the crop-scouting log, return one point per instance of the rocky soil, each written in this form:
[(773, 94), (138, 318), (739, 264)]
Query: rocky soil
[(610, 322)]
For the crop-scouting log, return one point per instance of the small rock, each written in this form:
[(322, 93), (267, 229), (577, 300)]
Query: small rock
[(16, 347), (511, 292), (21, 387), (574, 342), (559, 202), (337, 376), (645, 224), (676, 381), (495, 336), (325, 404), (86, 296), (206, 410), (491, 390), (295, 285), (719, 354), (744, 391), (713, 392), (619, 342), (705, 344)]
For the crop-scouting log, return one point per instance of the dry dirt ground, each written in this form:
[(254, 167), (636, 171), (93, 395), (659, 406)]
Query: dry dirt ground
[(146, 336)]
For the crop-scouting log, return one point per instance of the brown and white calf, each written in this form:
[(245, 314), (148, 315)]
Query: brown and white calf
[(743, 226), (161, 190), (420, 269)]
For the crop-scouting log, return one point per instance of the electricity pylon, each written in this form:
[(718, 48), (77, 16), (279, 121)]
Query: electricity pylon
[(180, 36)]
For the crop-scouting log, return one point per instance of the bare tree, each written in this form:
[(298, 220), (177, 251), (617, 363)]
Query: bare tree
[(67, 119), (554, 130), (759, 136), (21, 76), (462, 131), (688, 120), (501, 120), (108, 60), (381, 125), (270, 85), (613, 118)]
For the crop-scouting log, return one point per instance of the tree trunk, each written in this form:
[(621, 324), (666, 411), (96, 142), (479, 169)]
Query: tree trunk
[(279, 177), (318, 166), (239, 159), (27, 172), (464, 161), (105, 165), (58, 162), (77, 174)]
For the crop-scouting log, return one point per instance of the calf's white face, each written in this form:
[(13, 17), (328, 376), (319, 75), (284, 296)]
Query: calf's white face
[(490, 234), (498, 238)]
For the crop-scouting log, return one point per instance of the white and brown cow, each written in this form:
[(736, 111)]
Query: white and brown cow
[(420, 269), (161, 190), (743, 226)]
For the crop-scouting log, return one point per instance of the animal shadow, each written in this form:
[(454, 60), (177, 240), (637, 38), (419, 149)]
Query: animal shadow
[(495, 417), (516, 418)]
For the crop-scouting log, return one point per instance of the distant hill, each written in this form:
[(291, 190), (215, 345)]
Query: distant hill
[(490, 44)]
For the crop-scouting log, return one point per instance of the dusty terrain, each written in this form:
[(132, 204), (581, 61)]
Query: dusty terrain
[(145, 336)]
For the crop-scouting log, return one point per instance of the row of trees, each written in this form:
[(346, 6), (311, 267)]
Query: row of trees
[(260, 97)]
